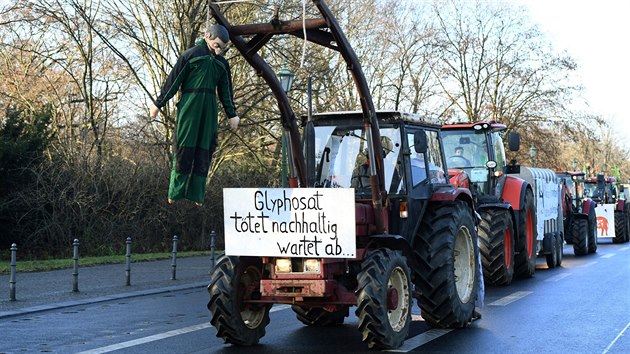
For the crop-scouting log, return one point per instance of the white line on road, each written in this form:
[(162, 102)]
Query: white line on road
[(587, 264), (558, 277), (616, 338), (624, 248), (159, 336), (420, 339), (608, 255), (510, 298)]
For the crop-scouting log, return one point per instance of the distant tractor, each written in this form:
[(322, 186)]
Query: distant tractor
[(506, 203), (578, 210), (605, 191)]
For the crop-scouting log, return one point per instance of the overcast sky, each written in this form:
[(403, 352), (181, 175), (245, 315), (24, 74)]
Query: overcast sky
[(597, 34)]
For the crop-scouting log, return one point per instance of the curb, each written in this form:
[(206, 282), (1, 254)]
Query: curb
[(94, 300)]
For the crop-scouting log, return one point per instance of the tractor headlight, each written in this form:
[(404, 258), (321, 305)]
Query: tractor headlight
[(311, 265), (283, 265)]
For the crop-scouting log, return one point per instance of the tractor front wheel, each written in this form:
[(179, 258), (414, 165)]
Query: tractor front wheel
[(384, 299), (235, 280)]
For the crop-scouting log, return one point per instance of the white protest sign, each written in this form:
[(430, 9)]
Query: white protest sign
[(605, 220), (289, 222)]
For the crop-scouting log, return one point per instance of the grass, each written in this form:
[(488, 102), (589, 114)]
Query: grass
[(53, 264)]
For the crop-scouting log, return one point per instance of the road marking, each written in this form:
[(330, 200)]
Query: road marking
[(608, 255), (616, 338), (624, 248), (159, 336), (587, 264), (510, 298), (420, 339), (558, 277)]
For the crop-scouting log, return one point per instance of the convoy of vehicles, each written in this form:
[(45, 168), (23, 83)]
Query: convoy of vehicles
[(421, 230)]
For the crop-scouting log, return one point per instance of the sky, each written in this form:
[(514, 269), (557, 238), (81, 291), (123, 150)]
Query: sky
[(596, 33)]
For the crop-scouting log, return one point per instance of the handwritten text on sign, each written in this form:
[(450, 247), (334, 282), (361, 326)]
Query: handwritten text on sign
[(289, 222)]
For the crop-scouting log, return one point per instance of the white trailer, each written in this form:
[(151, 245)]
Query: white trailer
[(549, 221)]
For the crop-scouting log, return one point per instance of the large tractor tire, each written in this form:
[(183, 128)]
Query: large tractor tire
[(580, 236), (234, 281), (318, 317), (525, 259), (384, 299), (448, 277), (621, 229), (592, 232), (496, 245)]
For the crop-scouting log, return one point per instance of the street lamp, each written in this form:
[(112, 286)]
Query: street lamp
[(286, 81), (575, 163), (286, 78), (533, 151)]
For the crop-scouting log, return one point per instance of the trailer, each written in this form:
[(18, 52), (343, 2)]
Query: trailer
[(549, 219)]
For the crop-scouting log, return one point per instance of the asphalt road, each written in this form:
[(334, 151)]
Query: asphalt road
[(581, 307)]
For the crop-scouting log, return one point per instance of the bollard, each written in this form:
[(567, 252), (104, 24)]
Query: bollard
[(213, 236), (75, 272), (174, 262), (13, 268), (128, 267)]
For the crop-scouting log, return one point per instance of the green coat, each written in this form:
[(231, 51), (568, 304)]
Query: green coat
[(200, 75)]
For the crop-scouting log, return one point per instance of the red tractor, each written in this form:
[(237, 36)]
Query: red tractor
[(604, 190), (506, 203), (578, 211), (413, 229)]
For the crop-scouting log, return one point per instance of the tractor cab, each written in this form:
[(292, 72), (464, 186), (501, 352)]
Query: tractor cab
[(477, 150), (413, 162), (601, 189)]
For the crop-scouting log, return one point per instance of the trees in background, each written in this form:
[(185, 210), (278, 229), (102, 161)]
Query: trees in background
[(79, 76)]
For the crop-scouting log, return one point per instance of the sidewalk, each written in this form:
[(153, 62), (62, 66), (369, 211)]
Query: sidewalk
[(40, 291)]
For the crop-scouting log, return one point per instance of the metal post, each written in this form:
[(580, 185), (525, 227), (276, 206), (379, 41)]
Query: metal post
[(128, 267), (174, 262), (13, 269), (75, 272), (213, 236)]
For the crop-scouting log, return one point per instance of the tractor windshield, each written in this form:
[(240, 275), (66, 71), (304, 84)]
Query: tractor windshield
[(465, 148), (342, 160)]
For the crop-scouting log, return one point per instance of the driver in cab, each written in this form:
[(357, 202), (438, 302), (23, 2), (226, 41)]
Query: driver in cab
[(458, 159)]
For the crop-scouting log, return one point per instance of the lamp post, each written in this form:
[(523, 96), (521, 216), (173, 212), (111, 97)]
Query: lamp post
[(286, 81), (533, 151), (575, 164)]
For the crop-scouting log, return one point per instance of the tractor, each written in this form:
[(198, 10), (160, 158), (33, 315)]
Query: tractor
[(605, 191), (415, 234), (505, 201), (578, 211)]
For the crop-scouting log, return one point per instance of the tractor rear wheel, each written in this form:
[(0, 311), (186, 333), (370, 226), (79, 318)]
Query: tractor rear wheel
[(448, 278), (496, 246), (318, 317), (620, 227), (580, 237), (384, 299), (235, 280), (526, 258)]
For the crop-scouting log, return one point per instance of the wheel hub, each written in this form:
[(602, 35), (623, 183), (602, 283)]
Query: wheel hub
[(392, 299)]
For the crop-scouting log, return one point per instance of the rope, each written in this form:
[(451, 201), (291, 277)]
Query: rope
[(303, 31)]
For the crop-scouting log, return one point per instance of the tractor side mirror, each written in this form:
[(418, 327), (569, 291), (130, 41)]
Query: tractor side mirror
[(420, 141), (514, 141)]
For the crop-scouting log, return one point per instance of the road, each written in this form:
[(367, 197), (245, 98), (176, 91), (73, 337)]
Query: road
[(581, 307)]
